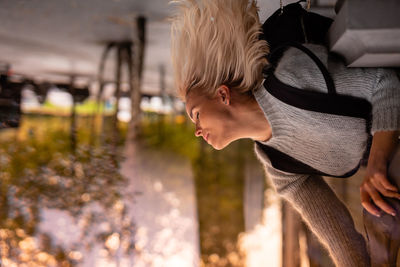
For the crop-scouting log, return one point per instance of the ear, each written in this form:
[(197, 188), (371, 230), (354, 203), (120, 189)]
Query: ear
[(224, 95)]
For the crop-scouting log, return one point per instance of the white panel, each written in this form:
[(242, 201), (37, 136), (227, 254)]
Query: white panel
[(367, 33), (374, 59)]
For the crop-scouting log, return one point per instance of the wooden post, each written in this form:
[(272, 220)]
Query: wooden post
[(136, 76), (73, 115), (291, 226), (100, 103), (100, 75), (119, 61), (163, 93)]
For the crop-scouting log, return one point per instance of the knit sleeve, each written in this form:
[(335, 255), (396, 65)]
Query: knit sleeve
[(324, 213), (386, 101)]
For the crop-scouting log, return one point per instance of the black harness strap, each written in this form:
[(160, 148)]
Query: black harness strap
[(335, 104), (327, 77), (283, 162), (330, 103)]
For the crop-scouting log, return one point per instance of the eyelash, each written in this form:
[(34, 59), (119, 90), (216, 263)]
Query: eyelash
[(197, 115)]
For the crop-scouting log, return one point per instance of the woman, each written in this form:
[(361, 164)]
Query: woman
[(218, 61)]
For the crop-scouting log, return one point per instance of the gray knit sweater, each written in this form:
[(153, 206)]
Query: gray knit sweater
[(329, 143)]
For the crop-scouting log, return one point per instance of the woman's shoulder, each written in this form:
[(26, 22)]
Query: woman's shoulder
[(297, 69), (296, 56)]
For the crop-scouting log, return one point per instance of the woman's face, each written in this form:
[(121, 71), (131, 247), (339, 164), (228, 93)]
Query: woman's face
[(212, 117)]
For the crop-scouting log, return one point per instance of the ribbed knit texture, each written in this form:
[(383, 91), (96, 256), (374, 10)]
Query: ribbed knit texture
[(329, 143)]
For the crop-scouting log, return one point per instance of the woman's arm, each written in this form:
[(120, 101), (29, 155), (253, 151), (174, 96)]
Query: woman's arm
[(326, 216), (376, 182), (385, 99), (324, 213)]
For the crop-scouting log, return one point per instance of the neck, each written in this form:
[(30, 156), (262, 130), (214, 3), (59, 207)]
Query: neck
[(251, 120)]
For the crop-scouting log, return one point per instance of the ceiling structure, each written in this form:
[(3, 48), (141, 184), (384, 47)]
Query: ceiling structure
[(50, 40)]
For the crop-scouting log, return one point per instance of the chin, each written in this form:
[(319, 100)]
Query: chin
[(219, 146)]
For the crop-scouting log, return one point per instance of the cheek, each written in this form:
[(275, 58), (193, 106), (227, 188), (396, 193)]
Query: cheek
[(217, 126), (228, 134), (223, 135), (219, 117), (215, 121)]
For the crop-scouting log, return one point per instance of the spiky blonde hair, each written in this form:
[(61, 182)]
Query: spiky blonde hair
[(216, 42)]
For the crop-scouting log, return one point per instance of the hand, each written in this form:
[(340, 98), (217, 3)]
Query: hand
[(376, 184)]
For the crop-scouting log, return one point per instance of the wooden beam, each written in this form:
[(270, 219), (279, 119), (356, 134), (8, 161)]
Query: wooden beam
[(291, 226), (136, 75)]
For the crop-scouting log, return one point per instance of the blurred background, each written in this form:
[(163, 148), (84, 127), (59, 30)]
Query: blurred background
[(99, 165)]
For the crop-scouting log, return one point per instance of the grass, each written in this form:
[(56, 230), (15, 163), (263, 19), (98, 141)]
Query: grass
[(87, 107)]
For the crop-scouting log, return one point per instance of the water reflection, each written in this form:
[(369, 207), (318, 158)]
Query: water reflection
[(165, 209), (60, 201), (86, 197), (237, 225), (219, 177), (81, 198)]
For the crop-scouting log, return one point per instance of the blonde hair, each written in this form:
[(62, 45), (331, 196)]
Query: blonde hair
[(216, 42)]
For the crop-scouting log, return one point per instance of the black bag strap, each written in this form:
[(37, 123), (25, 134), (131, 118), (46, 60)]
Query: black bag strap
[(336, 104), (327, 77), (330, 103), (286, 163)]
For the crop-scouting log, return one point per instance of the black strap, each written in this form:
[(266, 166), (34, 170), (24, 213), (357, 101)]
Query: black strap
[(327, 77), (286, 163), (330, 103), (335, 104)]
